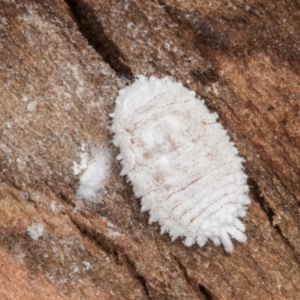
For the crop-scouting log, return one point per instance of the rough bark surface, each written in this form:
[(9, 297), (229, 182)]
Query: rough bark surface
[(61, 66)]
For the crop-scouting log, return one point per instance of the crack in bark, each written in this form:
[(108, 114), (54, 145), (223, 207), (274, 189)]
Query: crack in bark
[(269, 212), (97, 238), (170, 11), (138, 276), (112, 250), (197, 287), (92, 29), (205, 292), (103, 242)]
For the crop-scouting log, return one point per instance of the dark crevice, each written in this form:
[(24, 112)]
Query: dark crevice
[(268, 211), (64, 198), (119, 256), (98, 238), (190, 281), (139, 277), (92, 29), (205, 292), (174, 13), (60, 193), (261, 201), (206, 76)]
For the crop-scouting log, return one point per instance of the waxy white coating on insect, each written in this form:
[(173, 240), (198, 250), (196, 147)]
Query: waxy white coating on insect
[(181, 162)]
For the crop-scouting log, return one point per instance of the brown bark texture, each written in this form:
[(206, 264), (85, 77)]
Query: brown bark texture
[(62, 64)]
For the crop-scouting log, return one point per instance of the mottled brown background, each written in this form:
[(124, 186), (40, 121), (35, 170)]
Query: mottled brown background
[(71, 58)]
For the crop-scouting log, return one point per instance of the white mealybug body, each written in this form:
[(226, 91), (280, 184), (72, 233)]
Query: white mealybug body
[(181, 162)]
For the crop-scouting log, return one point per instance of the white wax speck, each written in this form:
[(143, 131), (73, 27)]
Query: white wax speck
[(32, 105)]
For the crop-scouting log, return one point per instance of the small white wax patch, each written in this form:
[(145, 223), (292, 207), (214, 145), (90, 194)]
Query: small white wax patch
[(92, 181), (25, 99), (181, 162), (32, 105), (35, 230)]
